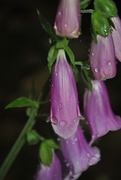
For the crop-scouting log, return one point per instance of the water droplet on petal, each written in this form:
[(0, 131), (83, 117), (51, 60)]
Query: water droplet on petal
[(75, 139), (88, 155), (58, 139), (67, 164), (109, 71), (54, 120), (65, 25), (59, 13), (92, 54), (67, 142), (48, 120), (63, 123), (109, 63), (96, 70)]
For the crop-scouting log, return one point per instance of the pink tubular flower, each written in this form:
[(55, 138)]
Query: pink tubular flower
[(98, 111), (116, 34), (64, 112), (78, 154), (67, 21), (50, 173), (102, 58)]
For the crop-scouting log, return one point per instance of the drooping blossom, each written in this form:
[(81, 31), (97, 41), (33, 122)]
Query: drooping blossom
[(98, 111), (102, 58), (67, 21), (116, 34), (64, 109), (50, 173), (78, 154)]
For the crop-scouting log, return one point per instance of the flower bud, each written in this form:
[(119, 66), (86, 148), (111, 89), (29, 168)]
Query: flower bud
[(102, 58), (67, 21)]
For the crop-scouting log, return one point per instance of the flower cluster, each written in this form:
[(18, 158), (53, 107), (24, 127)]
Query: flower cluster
[(77, 154)]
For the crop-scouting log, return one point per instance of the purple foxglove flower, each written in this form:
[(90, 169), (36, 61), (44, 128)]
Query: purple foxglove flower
[(102, 58), (67, 21), (98, 111), (50, 173), (64, 112), (116, 34), (78, 154)]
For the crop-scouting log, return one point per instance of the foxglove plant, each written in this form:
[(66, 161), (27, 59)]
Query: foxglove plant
[(98, 111), (50, 173), (64, 111), (78, 154), (116, 34), (102, 58), (67, 21)]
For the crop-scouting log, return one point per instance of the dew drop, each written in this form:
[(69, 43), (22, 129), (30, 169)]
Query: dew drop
[(109, 63), (109, 71), (66, 142), (88, 155), (58, 139), (54, 120), (48, 120), (92, 54), (96, 70), (75, 139), (63, 123), (67, 164), (59, 13), (51, 85), (65, 25)]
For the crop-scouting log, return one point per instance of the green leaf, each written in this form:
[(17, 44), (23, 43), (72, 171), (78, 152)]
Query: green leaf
[(32, 138), (52, 143), (46, 153), (84, 4), (22, 102), (52, 54), (47, 27)]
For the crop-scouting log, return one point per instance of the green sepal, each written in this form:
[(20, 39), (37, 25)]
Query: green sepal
[(106, 7), (52, 55), (84, 4), (46, 151), (70, 55), (32, 138), (100, 25), (22, 102), (86, 78)]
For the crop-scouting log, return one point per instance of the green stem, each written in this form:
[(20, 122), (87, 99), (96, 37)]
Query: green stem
[(21, 139), (17, 146)]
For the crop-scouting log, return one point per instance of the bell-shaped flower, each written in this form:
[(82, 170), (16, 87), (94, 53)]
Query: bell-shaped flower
[(116, 34), (78, 154), (64, 110), (67, 21), (98, 111), (53, 172), (102, 58)]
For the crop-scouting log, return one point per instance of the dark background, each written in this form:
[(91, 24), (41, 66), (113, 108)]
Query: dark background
[(23, 58)]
